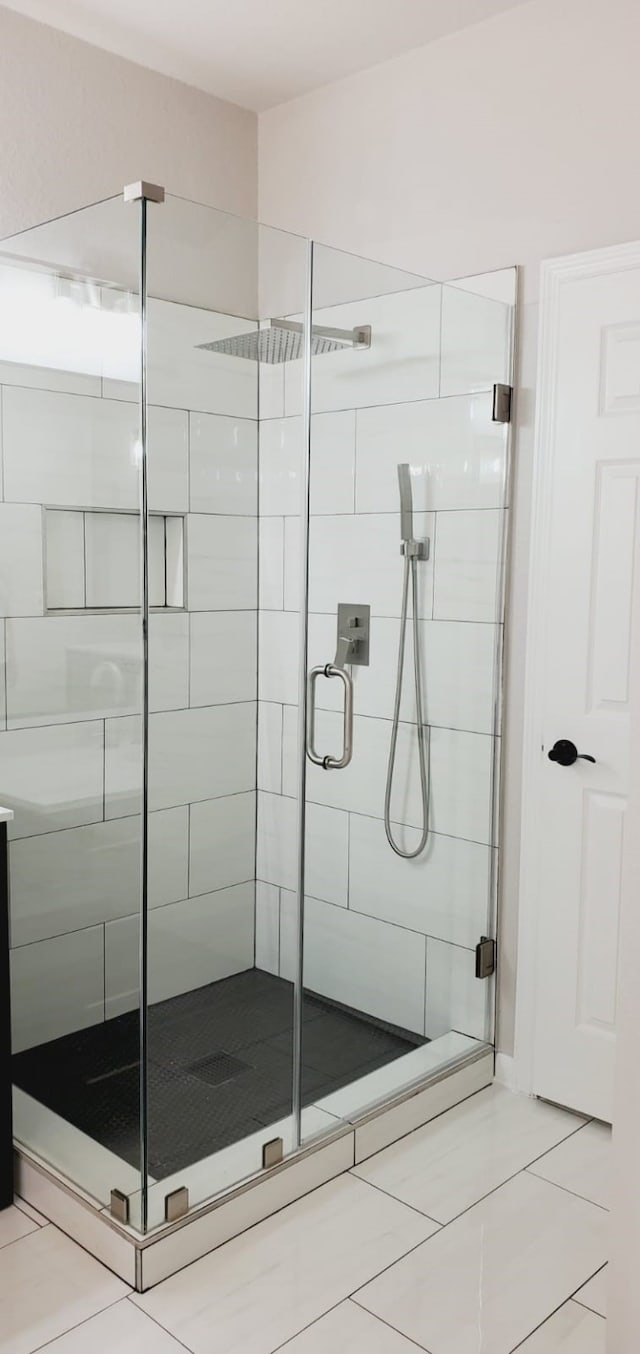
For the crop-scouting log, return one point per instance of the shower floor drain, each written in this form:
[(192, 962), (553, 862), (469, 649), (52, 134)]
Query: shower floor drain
[(218, 1068)]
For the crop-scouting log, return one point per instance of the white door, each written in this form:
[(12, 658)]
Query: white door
[(588, 439)]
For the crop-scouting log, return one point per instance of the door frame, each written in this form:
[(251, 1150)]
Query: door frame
[(555, 274)]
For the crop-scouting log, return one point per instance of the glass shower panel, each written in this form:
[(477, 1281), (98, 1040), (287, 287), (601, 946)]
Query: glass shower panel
[(220, 1003), (70, 746), (406, 541)]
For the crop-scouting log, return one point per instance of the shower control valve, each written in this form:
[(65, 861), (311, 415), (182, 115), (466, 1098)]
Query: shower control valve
[(416, 549)]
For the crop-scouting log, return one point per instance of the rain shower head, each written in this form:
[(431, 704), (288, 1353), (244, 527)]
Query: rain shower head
[(283, 341)]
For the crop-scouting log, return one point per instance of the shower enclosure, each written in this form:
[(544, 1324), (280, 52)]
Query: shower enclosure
[(209, 427)]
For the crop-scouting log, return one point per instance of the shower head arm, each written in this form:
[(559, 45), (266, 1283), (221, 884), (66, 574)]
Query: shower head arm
[(360, 337)]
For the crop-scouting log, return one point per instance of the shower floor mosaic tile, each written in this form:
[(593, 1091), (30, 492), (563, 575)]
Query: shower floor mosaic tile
[(220, 1067), (482, 1231)]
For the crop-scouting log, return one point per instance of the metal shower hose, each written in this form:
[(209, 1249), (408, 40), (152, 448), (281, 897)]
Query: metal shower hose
[(410, 571)]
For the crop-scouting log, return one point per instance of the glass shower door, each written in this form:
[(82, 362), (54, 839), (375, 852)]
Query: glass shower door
[(407, 509), (72, 654), (219, 1008)]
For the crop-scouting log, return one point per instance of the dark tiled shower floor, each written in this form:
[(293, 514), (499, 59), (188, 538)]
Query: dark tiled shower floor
[(220, 1067)]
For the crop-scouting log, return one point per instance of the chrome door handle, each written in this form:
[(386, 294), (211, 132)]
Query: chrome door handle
[(327, 762)]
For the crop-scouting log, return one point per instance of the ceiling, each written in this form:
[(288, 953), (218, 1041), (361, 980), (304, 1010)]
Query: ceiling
[(259, 53)]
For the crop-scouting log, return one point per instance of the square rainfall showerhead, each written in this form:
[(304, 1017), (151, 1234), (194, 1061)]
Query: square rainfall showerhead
[(283, 341)]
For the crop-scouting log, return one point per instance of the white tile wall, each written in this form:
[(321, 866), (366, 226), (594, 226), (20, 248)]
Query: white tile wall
[(63, 881), (193, 754), (270, 739), (52, 777), (191, 943), (455, 999), (64, 559), (442, 893), (57, 986), (326, 852), (224, 464), (184, 376), (74, 450), (357, 559), (222, 842), (381, 967), (331, 480), (467, 568), (475, 342), (66, 447), (21, 584), (281, 459), (456, 454), (222, 569), (70, 668), (279, 648), (267, 927), (271, 561), (403, 362), (460, 771), (457, 671), (224, 657)]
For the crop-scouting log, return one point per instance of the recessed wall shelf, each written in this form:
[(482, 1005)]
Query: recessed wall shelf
[(92, 560)]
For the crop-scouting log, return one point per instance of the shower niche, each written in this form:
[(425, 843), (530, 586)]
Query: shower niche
[(256, 824)]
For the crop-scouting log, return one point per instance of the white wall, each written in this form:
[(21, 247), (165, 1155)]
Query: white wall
[(500, 145), (78, 123)]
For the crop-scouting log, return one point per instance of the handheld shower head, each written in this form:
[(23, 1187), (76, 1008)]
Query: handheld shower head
[(406, 502)]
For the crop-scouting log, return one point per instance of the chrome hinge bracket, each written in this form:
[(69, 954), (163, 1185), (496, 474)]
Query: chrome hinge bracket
[(485, 957), (501, 407)]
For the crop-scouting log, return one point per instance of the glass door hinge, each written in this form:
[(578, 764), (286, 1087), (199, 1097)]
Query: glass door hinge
[(501, 408), (485, 957)]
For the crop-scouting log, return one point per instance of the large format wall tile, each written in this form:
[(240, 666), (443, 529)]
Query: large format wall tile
[(476, 341), (357, 559), (21, 584), (52, 777), (403, 362), (191, 943), (224, 657), (68, 668), (193, 754), (460, 804), (467, 565), (224, 464), (81, 452), (63, 881), (279, 639), (271, 560), (458, 667), (282, 456), (376, 968), (270, 738), (57, 986), (442, 893), (456, 999), (222, 842), (457, 455), (326, 847), (222, 564)]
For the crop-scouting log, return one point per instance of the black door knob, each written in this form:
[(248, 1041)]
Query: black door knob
[(565, 753)]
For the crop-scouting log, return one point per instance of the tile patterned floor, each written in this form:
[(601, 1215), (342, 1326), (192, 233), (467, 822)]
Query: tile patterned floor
[(482, 1233)]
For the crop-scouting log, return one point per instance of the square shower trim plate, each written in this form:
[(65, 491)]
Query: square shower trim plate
[(145, 1261)]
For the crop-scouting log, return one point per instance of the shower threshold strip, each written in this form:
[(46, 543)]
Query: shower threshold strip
[(340, 1131)]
